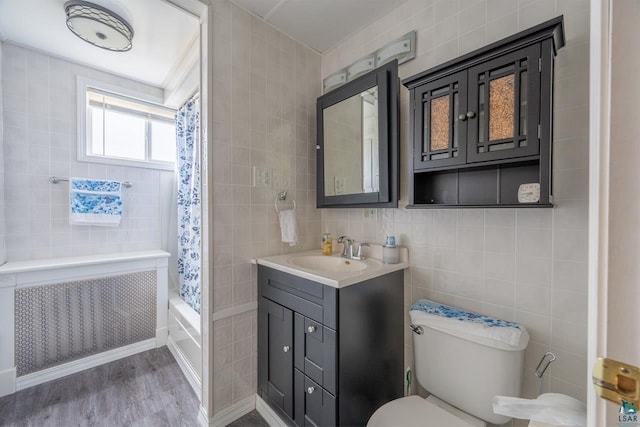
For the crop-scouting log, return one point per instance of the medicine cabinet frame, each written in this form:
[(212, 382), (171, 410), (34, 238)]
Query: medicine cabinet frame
[(387, 82)]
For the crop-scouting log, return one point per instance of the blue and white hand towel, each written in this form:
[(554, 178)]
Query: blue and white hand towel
[(429, 313), (94, 202)]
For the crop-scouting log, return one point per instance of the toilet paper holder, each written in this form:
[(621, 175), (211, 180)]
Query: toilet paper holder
[(549, 357)]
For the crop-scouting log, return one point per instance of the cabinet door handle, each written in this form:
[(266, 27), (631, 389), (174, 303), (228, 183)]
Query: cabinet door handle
[(471, 114), (462, 117), (311, 329), (310, 390), (285, 348)]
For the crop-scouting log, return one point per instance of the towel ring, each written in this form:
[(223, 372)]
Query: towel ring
[(283, 196)]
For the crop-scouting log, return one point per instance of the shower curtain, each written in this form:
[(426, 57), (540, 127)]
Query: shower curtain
[(189, 202)]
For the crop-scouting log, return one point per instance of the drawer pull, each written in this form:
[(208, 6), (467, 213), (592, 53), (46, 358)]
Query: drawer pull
[(285, 348), (311, 329), (310, 390)]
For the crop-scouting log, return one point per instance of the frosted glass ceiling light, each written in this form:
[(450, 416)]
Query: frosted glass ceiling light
[(98, 25)]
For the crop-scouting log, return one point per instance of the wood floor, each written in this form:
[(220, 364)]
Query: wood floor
[(147, 389)]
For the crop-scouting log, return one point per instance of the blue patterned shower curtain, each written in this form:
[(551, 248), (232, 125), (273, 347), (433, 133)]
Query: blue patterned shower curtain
[(189, 202)]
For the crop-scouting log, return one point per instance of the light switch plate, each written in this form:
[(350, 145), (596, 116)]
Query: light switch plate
[(529, 193), (262, 177)]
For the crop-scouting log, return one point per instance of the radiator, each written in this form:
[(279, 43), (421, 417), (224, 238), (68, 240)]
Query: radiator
[(61, 322)]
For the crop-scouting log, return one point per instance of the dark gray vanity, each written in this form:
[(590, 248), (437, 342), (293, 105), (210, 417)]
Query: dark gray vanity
[(329, 356)]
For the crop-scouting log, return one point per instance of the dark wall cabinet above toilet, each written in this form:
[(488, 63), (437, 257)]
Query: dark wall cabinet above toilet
[(482, 123)]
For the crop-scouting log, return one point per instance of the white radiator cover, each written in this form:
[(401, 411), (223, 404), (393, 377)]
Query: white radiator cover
[(58, 323), (64, 315)]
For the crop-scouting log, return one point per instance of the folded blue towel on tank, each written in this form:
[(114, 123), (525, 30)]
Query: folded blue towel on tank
[(431, 307), (442, 316)]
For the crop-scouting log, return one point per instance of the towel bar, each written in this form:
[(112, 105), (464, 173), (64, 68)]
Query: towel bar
[(283, 196), (57, 180)]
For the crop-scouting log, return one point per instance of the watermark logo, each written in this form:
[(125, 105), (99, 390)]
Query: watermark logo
[(628, 415)]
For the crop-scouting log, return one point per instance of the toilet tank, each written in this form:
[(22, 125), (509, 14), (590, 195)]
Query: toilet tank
[(467, 371)]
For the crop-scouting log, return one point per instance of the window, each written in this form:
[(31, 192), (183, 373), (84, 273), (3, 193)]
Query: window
[(122, 129)]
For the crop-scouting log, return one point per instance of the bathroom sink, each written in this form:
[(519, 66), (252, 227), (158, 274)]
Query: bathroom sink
[(329, 263), (333, 270)]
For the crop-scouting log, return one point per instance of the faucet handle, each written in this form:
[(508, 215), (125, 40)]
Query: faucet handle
[(342, 239), (359, 254)]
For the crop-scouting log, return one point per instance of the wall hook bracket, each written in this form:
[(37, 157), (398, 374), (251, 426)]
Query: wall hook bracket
[(548, 357)]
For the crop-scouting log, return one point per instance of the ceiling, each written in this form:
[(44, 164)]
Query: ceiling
[(162, 37), (320, 24)]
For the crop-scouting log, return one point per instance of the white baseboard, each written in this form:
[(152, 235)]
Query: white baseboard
[(203, 418), (161, 336), (269, 415), (232, 413), (55, 372), (7, 381), (185, 367)]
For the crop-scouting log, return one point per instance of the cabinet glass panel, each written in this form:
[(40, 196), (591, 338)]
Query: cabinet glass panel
[(501, 107), (440, 120)]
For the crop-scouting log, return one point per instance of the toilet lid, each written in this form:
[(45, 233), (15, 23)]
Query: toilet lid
[(413, 411)]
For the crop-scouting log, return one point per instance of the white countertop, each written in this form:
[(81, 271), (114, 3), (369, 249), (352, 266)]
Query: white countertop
[(333, 278)]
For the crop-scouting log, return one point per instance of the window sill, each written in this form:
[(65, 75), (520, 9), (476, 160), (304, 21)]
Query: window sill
[(128, 162)]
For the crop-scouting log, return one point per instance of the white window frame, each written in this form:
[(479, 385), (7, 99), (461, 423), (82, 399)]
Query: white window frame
[(83, 84)]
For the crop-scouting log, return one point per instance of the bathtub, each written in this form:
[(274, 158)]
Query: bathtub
[(185, 340)]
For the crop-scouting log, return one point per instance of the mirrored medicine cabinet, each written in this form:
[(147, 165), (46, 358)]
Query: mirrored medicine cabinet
[(357, 142)]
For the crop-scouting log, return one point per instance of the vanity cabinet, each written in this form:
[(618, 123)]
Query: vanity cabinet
[(482, 123), (328, 356)]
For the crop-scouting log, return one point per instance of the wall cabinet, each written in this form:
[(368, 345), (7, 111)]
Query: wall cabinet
[(327, 356), (482, 123)]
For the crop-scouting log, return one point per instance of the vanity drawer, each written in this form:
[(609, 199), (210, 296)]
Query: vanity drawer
[(312, 299), (315, 351), (314, 406)]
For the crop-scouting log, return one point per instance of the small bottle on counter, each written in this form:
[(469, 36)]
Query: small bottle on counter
[(326, 244), (390, 251)]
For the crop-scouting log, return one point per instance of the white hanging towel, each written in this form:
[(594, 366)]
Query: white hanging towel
[(94, 202), (288, 227)]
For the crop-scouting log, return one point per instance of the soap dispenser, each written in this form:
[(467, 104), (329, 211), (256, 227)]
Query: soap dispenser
[(390, 251), (326, 244)]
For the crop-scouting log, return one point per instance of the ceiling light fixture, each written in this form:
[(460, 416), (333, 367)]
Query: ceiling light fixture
[(98, 25)]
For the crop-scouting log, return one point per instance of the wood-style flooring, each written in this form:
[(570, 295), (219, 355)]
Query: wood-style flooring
[(252, 419), (144, 390)]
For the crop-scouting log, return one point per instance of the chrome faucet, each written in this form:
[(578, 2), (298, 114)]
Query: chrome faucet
[(347, 249)]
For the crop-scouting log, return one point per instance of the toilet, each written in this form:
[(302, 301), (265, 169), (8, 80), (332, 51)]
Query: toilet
[(463, 359)]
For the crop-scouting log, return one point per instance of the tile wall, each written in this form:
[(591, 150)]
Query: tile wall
[(265, 86), (3, 247), (527, 265), (39, 96)]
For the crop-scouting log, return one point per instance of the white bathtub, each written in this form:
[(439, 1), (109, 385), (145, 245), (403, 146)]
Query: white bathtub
[(185, 340)]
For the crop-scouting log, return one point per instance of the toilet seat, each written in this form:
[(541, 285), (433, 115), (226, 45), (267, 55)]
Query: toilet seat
[(414, 411)]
